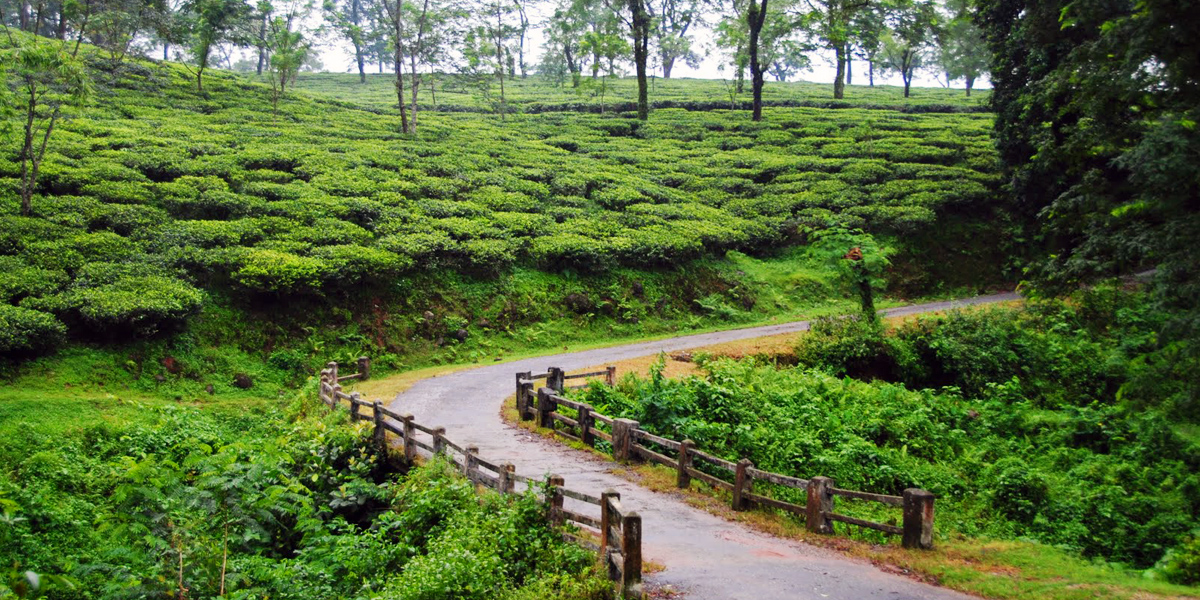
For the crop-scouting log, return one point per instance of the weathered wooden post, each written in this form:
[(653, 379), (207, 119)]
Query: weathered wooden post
[(820, 505), (522, 399), (506, 478), (556, 379), (683, 479), (410, 446), (631, 552), (439, 440), (556, 500), (585, 425), (469, 461), (622, 442), (606, 520), (354, 399), (380, 432), (918, 519), (742, 484), (545, 407), (610, 376), (333, 375), (337, 389), (364, 368)]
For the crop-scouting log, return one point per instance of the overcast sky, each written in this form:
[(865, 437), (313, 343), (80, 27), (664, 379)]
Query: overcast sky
[(337, 57)]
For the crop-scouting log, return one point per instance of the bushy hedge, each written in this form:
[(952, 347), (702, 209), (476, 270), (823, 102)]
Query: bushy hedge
[(1029, 439), (23, 330)]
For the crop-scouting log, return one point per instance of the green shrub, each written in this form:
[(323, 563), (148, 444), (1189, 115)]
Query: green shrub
[(278, 271), (23, 330)]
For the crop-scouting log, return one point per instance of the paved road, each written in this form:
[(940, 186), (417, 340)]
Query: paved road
[(706, 556)]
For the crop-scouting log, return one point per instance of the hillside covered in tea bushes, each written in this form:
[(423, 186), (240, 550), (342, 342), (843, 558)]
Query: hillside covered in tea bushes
[(162, 210)]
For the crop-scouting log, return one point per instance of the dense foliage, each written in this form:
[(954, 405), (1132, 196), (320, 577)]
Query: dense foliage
[(1011, 416), (186, 502), (1097, 105)]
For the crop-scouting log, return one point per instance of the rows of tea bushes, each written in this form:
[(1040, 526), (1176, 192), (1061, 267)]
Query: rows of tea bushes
[(154, 501), (535, 94), (1011, 417), (156, 192)]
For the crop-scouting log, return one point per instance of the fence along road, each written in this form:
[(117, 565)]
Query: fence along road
[(705, 556)]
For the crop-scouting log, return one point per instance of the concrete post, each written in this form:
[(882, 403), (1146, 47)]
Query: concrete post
[(622, 434), (918, 519), (742, 483), (556, 501), (410, 448), (544, 408), (555, 379), (820, 505), (364, 368), (683, 479), (585, 425)]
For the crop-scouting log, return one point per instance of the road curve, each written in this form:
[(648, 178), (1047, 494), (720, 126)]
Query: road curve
[(706, 556)]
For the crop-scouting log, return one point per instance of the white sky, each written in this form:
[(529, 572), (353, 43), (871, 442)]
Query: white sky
[(337, 57)]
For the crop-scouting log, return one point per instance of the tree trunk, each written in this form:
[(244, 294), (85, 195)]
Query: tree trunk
[(641, 54), (849, 66), (23, 17), (970, 84), (668, 62), (871, 72), (839, 80), (166, 52), (756, 17), (907, 75), (262, 43), (500, 59), (398, 61)]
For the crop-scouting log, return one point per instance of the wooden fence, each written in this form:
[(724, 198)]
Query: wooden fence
[(580, 422), (617, 529)]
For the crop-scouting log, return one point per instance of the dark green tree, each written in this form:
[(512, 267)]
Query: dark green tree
[(1097, 109)]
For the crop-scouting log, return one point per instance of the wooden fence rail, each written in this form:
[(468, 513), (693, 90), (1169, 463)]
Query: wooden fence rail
[(619, 532), (578, 421)]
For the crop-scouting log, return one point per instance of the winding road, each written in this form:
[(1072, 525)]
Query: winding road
[(706, 557)]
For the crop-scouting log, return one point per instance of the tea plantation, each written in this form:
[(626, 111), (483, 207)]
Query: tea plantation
[(157, 202)]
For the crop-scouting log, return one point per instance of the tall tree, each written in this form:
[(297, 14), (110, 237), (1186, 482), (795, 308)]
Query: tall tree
[(867, 31), (288, 46), (962, 52), (394, 16), (906, 48), (831, 22), (43, 81), (756, 16), (639, 21), (564, 37), (1097, 108), (672, 20), (211, 23), (350, 20)]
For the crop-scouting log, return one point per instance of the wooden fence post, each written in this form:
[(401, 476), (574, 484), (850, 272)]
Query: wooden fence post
[(918, 519), (683, 479), (555, 379), (364, 368), (622, 438), (820, 505), (469, 461), (610, 376), (439, 440), (506, 478), (337, 389), (556, 500), (332, 366), (585, 425), (410, 447), (606, 520), (380, 432), (631, 552), (354, 398), (544, 408), (522, 398), (742, 483)]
